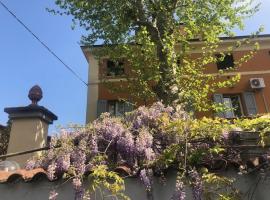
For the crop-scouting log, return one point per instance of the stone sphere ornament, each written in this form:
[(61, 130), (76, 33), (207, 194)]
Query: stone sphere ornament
[(35, 94)]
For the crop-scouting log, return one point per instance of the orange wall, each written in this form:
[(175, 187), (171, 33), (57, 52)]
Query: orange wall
[(258, 66), (260, 61)]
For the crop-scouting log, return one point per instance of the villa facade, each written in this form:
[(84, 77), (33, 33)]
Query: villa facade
[(249, 97)]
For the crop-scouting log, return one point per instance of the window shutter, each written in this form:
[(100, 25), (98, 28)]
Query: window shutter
[(128, 107), (250, 103), (218, 98), (101, 107)]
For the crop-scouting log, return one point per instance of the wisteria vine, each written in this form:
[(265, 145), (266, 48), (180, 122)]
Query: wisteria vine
[(147, 141)]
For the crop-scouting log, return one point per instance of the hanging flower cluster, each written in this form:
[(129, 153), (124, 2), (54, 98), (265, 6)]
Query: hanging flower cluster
[(148, 141)]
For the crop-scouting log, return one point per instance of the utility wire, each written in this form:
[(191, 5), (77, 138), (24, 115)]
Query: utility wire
[(44, 45)]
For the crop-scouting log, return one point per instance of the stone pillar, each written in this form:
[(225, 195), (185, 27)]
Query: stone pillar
[(29, 129)]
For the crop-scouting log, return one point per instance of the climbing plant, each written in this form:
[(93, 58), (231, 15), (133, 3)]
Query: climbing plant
[(148, 142)]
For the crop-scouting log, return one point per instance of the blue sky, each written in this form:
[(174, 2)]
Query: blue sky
[(24, 62)]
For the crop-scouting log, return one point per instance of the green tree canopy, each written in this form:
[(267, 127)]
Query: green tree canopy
[(156, 36)]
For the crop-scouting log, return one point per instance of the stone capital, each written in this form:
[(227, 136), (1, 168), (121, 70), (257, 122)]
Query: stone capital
[(31, 111)]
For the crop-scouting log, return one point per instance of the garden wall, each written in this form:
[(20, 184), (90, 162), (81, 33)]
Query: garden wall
[(253, 186)]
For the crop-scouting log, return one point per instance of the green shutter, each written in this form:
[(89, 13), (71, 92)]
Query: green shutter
[(218, 98), (250, 103), (101, 107)]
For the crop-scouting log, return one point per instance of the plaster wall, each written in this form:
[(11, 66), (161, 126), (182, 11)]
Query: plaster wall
[(250, 185), (26, 134), (92, 93)]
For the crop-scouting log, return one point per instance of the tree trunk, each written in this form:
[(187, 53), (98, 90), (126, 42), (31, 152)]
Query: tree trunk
[(163, 87)]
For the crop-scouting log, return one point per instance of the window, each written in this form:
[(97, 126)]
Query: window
[(114, 107), (225, 63), (234, 104), (115, 68)]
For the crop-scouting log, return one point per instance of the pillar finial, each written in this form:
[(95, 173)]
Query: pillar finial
[(35, 94)]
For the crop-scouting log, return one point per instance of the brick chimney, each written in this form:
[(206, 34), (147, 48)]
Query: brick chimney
[(29, 129)]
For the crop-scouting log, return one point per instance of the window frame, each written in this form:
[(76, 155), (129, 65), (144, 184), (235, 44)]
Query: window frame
[(240, 101), (109, 70), (116, 104), (225, 64)]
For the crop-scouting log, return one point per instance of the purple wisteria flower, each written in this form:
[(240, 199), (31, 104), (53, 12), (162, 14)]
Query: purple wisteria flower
[(53, 195), (146, 178), (51, 171), (144, 140), (50, 154), (77, 183), (63, 163), (143, 146), (149, 154), (31, 164), (109, 128), (126, 147), (136, 140), (93, 145), (144, 116), (78, 159), (79, 194), (179, 193), (197, 187), (79, 191)]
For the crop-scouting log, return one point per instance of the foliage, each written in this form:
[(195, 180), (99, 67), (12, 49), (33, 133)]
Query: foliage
[(4, 142), (148, 141), (109, 180), (216, 183), (4, 138), (157, 40), (259, 124)]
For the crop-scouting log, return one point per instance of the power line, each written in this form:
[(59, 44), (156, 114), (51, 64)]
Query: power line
[(44, 45)]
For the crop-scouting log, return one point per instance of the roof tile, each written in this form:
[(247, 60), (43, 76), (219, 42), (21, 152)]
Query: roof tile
[(26, 175), (32, 175)]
